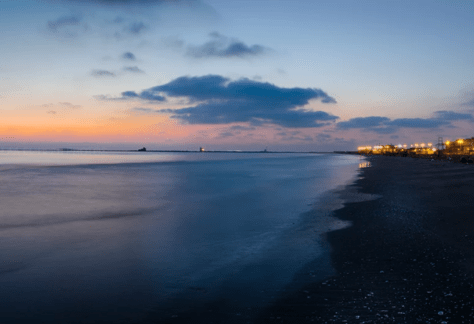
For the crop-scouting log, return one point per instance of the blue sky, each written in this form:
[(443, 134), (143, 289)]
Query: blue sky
[(396, 71)]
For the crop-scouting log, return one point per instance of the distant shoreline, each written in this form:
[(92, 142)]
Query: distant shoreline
[(178, 151)]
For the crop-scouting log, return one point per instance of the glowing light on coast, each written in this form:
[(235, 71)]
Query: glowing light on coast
[(458, 147)]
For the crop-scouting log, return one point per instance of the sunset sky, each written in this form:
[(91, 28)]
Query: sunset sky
[(283, 75)]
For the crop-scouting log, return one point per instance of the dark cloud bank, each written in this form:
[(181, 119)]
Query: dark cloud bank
[(384, 125), (222, 101), (214, 99)]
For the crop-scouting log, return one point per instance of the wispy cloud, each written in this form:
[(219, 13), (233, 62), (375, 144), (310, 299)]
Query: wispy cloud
[(69, 105), (67, 26), (54, 25), (224, 47), (373, 123), (102, 73), (226, 134), (418, 122), (323, 137), (133, 69), (173, 42), (452, 115), (469, 103), (130, 95), (241, 128), (143, 110)]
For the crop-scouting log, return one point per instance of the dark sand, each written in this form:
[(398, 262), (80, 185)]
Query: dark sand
[(409, 256)]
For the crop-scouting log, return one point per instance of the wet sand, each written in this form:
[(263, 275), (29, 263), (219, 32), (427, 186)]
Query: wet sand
[(408, 258)]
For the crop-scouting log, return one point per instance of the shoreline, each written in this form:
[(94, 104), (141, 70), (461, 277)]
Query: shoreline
[(407, 257), (231, 304), (169, 151)]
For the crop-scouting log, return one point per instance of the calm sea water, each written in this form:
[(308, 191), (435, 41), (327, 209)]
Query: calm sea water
[(95, 237)]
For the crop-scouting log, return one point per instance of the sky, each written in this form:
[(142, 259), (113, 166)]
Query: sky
[(234, 75)]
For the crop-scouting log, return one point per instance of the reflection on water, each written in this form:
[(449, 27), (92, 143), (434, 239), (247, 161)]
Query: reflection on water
[(364, 165), (84, 157), (93, 242)]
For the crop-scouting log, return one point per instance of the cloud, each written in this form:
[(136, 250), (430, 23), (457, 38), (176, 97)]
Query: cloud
[(127, 95), (224, 47), (69, 105), (133, 69), (451, 115), (363, 122), (59, 106), (118, 20), (219, 100), (129, 56), (54, 25), (384, 125), (173, 42), (241, 128), (418, 122), (222, 101), (469, 103), (226, 134), (143, 110), (67, 26), (235, 130), (151, 96), (294, 136), (102, 73), (323, 137), (136, 28)]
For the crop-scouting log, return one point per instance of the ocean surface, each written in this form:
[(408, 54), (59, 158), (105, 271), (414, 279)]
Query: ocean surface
[(102, 237)]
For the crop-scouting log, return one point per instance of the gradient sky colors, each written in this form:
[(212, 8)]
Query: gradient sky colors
[(286, 75)]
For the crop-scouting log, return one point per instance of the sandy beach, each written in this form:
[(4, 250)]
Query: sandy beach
[(408, 258)]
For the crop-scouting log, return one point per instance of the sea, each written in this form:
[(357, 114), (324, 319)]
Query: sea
[(153, 237)]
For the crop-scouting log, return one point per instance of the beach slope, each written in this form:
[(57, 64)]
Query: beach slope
[(409, 256)]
